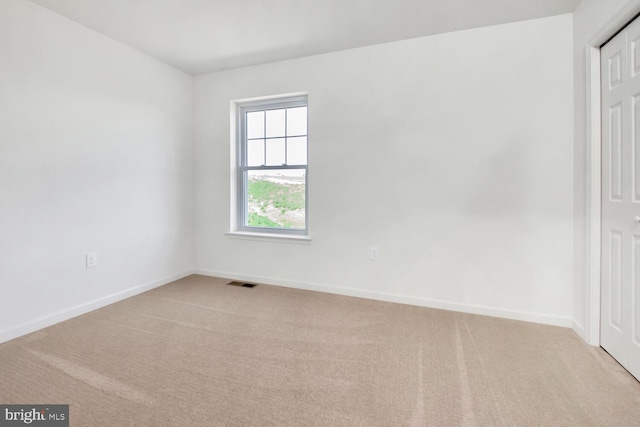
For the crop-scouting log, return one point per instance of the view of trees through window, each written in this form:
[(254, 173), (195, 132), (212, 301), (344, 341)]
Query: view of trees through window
[(276, 167)]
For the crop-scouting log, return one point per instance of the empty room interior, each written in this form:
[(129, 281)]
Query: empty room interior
[(334, 213)]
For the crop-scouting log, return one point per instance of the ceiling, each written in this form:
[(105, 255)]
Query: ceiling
[(200, 36)]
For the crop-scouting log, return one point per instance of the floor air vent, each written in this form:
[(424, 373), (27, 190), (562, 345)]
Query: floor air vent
[(242, 284)]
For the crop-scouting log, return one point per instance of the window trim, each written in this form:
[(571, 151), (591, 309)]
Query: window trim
[(241, 205)]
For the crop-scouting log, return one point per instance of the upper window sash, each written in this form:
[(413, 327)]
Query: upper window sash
[(259, 106), (243, 109)]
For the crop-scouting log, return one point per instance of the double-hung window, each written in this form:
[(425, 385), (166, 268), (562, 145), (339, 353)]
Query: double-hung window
[(272, 166)]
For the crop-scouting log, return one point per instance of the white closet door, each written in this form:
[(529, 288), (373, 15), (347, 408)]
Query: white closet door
[(620, 299)]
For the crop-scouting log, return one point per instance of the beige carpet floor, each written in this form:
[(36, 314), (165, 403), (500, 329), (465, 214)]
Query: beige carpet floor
[(199, 353)]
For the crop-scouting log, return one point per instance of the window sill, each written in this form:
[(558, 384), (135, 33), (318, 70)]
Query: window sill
[(265, 237)]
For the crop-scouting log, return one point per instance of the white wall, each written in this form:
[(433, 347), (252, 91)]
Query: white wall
[(588, 20), (452, 153), (95, 155)]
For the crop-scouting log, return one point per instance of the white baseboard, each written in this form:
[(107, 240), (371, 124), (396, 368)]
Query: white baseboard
[(545, 319), (43, 322), (579, 330)]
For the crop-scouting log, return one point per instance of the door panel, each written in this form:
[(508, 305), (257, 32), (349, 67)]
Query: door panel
[(615, 152), (635, 129), (631, 299), (635, 54), (636, 295), (620, 299), (615, 278)]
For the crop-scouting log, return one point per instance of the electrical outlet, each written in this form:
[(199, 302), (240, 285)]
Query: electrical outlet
[(92, 259), (375, 253)]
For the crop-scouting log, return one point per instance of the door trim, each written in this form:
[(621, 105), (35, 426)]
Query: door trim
[(594, 168)]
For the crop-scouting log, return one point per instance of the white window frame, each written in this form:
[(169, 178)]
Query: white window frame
[(241, 208)]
